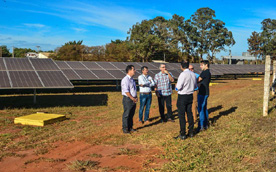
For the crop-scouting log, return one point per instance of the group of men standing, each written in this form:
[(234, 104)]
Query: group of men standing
[(187, 87)]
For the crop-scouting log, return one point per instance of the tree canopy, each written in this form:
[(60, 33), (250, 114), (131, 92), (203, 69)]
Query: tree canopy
[(263, 43)]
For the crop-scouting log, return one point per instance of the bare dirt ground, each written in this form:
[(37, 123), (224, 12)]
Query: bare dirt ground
[(107, 146)]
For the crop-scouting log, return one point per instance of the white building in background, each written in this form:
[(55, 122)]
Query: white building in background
[(31, 55), (240, 59), (37, 55)]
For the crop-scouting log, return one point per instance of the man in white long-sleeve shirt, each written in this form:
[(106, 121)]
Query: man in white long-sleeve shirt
[(145, 82), (185, 86)]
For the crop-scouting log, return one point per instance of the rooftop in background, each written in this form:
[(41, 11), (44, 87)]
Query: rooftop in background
[(245, 56)]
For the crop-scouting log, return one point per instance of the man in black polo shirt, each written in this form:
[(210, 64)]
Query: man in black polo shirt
[(204, 80)]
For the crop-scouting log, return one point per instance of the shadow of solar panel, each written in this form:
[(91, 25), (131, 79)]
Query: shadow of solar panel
[(25, 79), (75, 65), (106, 65), (118, 74), (18, 64), (2, 65), (119, 65), (92, 65), (102, 74), (54, 79), (70, 74), (4, 81), (44, 64), (62, 65), (86, 74)]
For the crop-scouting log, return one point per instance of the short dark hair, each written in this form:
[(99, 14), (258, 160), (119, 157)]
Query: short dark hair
[(185, 64), (143, 67), (205, 62), (129, 67)]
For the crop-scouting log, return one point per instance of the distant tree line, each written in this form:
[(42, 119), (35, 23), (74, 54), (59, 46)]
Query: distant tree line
[(18, 52), (263, 43), (157, 39)]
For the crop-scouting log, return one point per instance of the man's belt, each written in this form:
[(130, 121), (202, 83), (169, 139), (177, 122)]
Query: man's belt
[(145, 93)]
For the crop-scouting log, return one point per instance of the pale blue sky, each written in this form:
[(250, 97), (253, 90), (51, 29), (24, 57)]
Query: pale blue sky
[(49, 24)]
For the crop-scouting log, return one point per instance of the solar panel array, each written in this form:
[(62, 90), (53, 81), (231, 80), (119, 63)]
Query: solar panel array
[(45, 73), (77, 70), (21, 73)]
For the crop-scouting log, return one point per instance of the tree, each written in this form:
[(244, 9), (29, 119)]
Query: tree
[(255, 43), (269, 37), (5, 51), (211, 34), (71, 51), (21, 52), (264, 43), (118, 51)]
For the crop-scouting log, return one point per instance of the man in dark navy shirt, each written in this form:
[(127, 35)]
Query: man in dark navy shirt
[(203, 94)]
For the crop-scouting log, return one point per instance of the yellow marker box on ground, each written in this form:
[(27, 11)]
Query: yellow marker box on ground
[(211, 84), (39, 119), (256, 79)]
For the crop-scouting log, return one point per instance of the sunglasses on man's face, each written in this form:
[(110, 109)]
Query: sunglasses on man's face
[(191, 68)]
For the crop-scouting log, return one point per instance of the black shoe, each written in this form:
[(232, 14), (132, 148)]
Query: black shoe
[(200, 129), (181, 137), (191, 135), (132, 130), (126, 132), (170, 120)]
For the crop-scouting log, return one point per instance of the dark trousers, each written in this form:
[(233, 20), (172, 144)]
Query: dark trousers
[(184, 104), (161, 103), (129, 111)]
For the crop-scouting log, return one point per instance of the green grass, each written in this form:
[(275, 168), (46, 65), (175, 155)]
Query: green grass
[(239, 139)]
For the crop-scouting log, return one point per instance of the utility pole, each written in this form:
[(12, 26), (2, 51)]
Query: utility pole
[(12, 51), (230, 57), (164, 57)]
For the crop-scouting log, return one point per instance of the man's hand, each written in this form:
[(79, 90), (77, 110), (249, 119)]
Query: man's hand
[(166, 71), (135, 100)]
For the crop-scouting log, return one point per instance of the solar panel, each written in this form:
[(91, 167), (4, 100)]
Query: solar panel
[(44, 64), (106, 65), (118, 74), (18, 64), (149, 65), (71, 74), (136, 65), (175, 73), (86, 74), (62, 65), (119, 65), (92, 65), (102, 74), (4, 82), (25, 79), (2, 65), (54, 79), (75, 65)]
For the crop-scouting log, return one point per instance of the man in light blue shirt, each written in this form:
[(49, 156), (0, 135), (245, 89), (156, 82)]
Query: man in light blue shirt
[(145, 83)]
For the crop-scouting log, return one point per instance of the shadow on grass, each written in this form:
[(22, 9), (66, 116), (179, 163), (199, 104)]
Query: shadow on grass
[(271, 109), (45, 101), (223, 113)]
